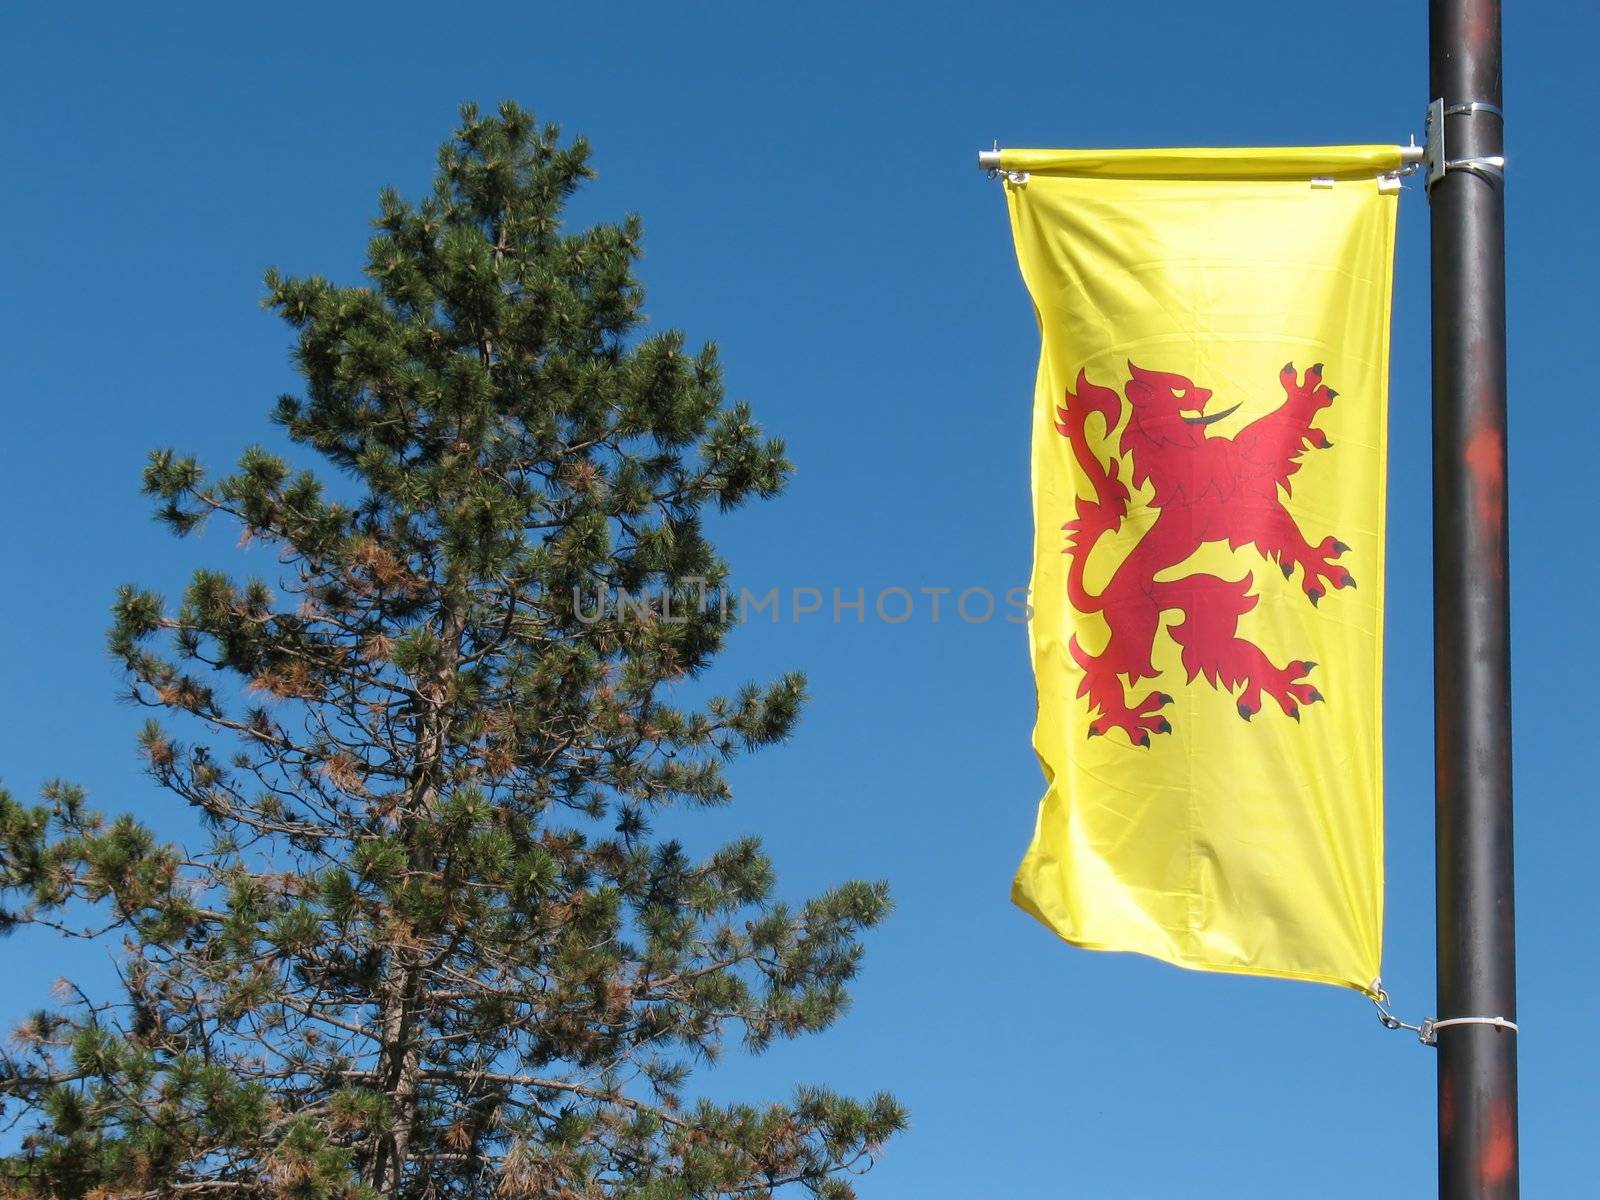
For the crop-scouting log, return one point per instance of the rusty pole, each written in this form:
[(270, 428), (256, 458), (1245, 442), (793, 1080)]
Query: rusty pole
[(1478, 1155)]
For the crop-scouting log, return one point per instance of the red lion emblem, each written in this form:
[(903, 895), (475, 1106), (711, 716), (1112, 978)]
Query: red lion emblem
[(1207, 489)]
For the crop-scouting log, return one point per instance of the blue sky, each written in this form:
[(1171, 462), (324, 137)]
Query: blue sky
[(806, 178)]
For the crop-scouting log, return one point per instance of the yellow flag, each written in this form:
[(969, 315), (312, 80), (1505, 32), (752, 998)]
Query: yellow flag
[(1208, 482)]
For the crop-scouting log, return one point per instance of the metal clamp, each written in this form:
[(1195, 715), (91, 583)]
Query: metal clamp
[(1489, 166), (1474, 106), (1428, 1035)]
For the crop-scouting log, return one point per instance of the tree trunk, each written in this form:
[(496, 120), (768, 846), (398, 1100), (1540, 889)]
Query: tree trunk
[(399, 1054)]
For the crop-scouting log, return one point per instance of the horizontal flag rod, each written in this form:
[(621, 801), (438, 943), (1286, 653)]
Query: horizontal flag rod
[(1265, 163)]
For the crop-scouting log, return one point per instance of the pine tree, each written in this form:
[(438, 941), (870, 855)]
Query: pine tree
[(430, 946)]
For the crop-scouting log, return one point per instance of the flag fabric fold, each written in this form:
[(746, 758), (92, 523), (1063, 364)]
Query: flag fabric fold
[(1208, 480)]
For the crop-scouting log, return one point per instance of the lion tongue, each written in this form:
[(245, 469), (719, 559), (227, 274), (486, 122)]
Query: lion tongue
[(1208, 418)]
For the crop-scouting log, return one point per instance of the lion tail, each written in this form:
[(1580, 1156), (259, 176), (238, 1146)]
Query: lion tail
[(1103, 512)]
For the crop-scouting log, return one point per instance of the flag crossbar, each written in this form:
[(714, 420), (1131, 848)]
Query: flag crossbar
[(1411, 156)]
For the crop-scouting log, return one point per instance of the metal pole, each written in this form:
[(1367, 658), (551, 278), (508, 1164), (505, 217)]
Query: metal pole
[(1478, 1155)]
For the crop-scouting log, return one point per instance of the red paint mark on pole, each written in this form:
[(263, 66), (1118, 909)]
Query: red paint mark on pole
[(1499, 1155), (1486, 462)]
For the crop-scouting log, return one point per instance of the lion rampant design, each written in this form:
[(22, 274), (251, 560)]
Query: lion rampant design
[(1207, 489)]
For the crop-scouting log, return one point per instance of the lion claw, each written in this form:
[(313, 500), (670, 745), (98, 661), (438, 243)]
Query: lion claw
[(1339, 547), (1288, 569), (1164, 725), (1244, 710)]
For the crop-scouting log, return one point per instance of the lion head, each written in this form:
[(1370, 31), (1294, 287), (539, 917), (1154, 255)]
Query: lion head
[(1168, 409)]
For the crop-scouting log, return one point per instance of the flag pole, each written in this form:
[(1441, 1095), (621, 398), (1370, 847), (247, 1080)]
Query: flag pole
[(1478, 1153)]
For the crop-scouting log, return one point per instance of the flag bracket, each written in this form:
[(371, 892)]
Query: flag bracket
[(1489, 166)]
